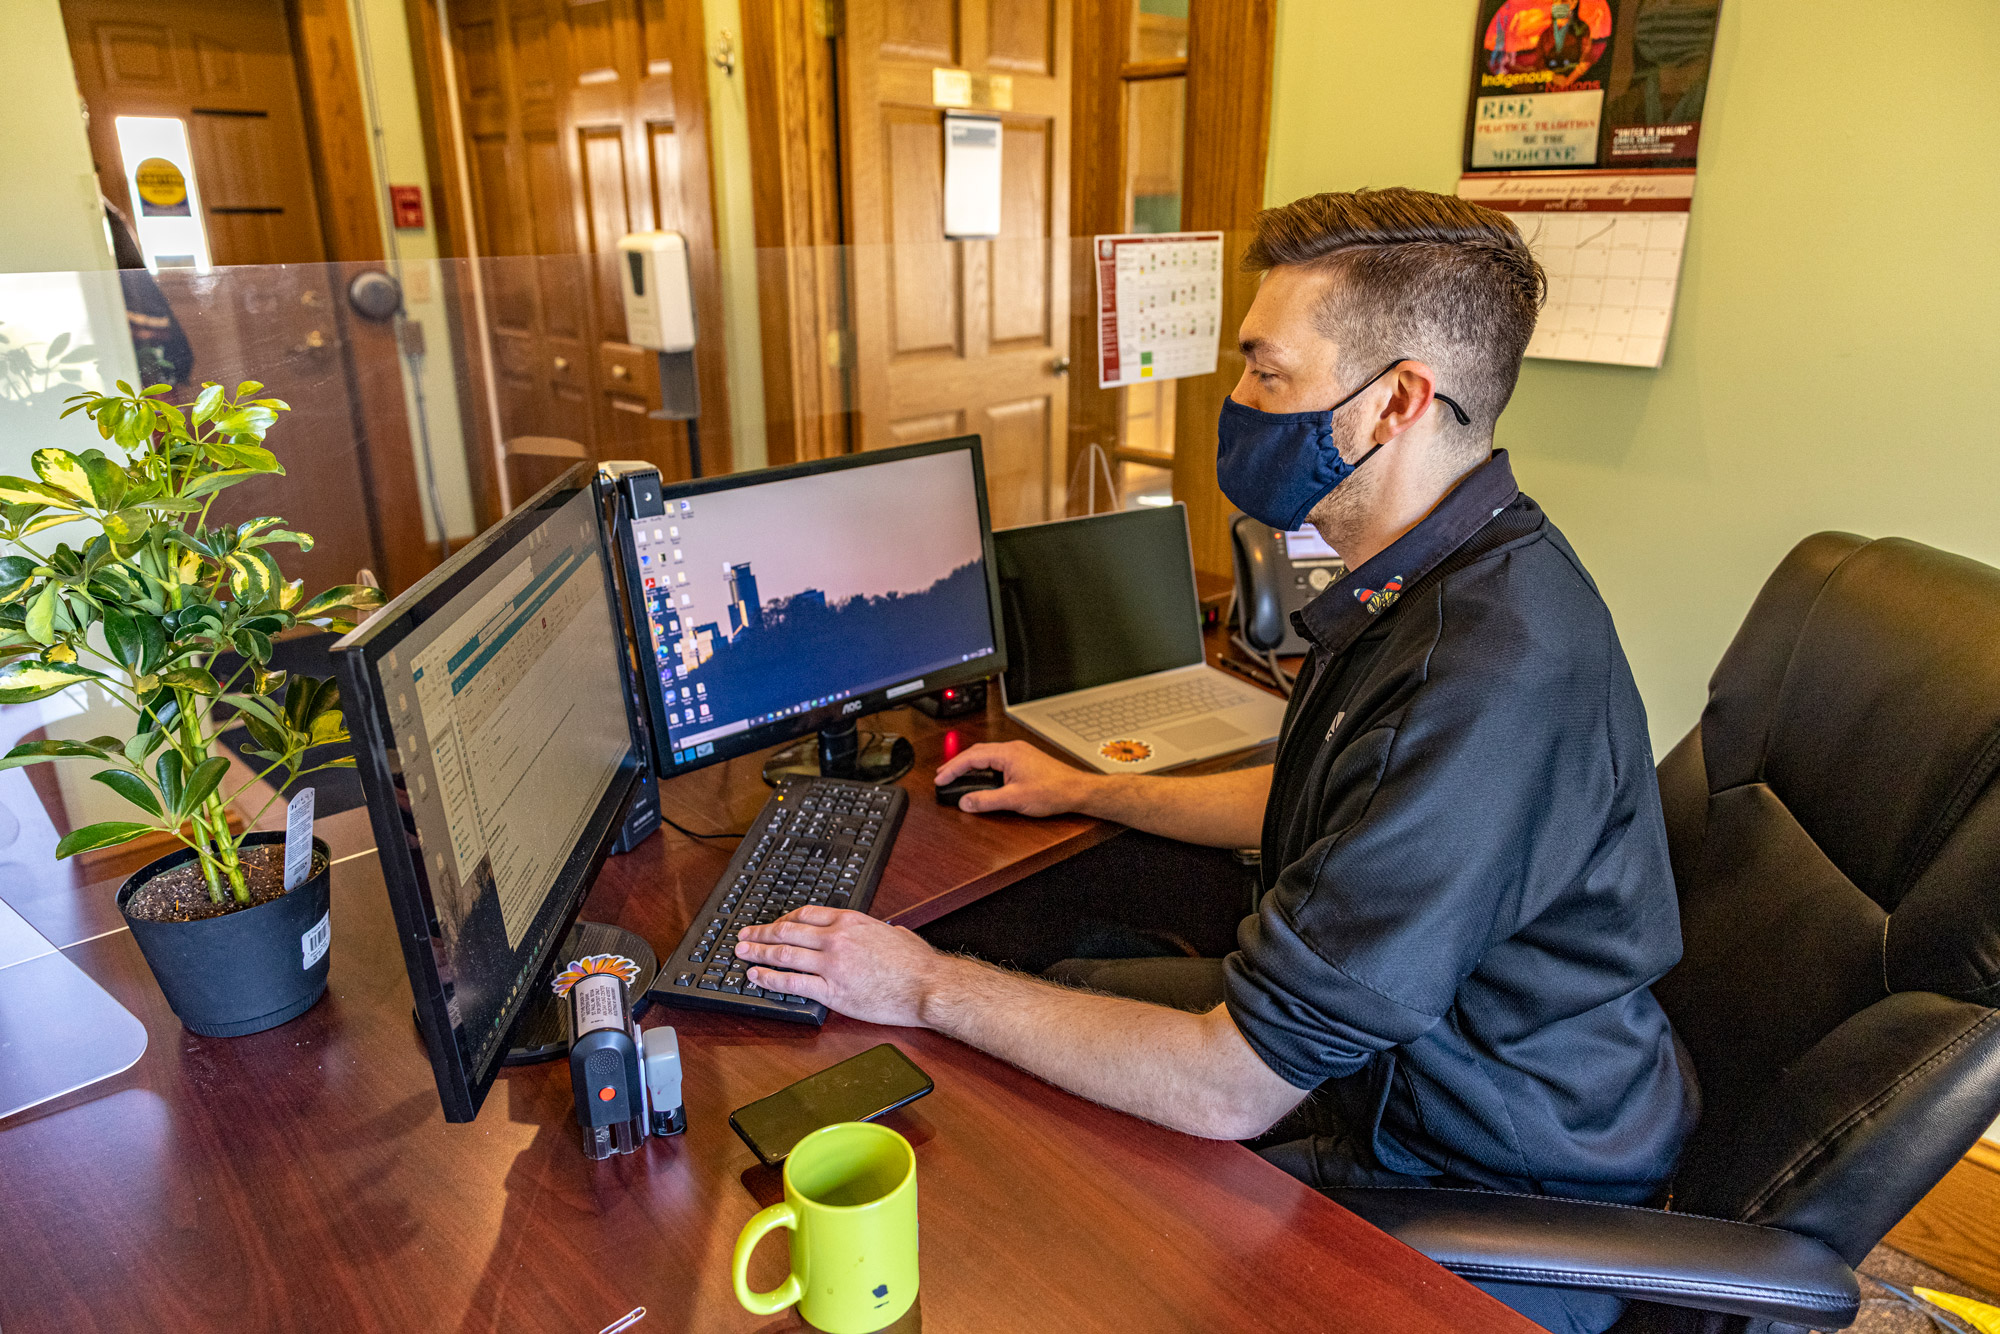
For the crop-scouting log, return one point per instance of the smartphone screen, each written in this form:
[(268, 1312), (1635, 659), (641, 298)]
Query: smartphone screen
[(860, 1088)]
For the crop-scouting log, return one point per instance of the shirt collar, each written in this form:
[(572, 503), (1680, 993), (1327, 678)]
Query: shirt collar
[(1336, 618)]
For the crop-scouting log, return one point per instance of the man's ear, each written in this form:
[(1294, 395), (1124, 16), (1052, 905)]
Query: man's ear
[(1412, 389)]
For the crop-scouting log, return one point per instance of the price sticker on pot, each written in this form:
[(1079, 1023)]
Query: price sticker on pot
[(299, 839)]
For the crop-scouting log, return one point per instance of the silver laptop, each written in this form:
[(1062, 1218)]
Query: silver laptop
[(1104, 646)]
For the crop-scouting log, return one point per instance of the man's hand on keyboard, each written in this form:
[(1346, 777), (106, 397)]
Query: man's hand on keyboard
[(1037, 782), (848, 961)]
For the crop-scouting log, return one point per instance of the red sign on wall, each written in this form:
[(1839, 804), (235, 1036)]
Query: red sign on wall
[(406, 202)]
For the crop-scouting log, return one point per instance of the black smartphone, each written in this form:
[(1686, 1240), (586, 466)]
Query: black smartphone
[(860, 1088)]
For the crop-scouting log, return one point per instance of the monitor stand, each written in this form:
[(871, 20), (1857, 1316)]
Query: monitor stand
[(541, 1032), (839, 752)]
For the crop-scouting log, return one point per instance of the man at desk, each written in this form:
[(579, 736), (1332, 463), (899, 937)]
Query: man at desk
[(1465, 875)]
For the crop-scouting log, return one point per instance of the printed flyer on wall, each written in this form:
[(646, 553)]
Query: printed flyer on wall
[(1569, 84)]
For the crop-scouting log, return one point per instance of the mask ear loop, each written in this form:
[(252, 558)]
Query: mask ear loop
[(1456, 410)]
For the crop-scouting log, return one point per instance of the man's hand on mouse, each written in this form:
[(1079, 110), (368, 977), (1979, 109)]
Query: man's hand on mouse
[(1037, 782), (847, 961)]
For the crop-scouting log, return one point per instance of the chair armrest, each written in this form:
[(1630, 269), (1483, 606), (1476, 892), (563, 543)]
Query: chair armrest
[(1678, 1259)]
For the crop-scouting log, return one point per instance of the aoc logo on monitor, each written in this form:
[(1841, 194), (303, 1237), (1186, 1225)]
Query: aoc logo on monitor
[(852, 706)]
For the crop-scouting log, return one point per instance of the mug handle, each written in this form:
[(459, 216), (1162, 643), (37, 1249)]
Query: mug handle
[(777, 1299)]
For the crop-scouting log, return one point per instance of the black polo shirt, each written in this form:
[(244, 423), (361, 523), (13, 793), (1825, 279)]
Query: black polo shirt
[(1466, 882)]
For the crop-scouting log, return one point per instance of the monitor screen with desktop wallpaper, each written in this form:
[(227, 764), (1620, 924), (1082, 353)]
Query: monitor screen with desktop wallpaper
[(781, 601)]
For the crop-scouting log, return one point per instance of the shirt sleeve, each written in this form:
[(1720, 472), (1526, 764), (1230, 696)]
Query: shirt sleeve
[(1450, 821)]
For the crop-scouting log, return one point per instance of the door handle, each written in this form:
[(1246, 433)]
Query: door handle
[(1060, 366)]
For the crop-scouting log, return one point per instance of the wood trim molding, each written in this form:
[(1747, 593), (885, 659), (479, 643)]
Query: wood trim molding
[(1231, 46), (1096, 205), (792, 103), (336, 129), (1136, 70)]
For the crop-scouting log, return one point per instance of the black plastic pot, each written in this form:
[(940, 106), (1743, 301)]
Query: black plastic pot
[(245, 971)]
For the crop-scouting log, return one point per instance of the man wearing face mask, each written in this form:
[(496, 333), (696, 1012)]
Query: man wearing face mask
[(1465, 881)]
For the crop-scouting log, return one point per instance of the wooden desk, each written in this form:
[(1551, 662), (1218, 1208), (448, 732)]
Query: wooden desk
[(303, 1179)]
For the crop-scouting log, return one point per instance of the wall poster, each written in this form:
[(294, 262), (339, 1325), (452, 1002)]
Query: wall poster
[(1583, 125), (1568, 84)]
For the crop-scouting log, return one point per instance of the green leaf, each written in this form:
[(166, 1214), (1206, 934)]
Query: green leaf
[(264, 734), (248, 387), (253, 706), (344, 762), (20, 491), (23, 682), (198, 679), (170, 769), (131, 787), (142, 744), (206, 777), (253, 645), (127, 526), (249, 579), (65, 471), (358, 596), (34, 752), (301, 700), (41, 622), (328, 728), (206, 402), (15, 572), (108, 482), (226, 477), (106, 835), (137, 640), (303, 541)]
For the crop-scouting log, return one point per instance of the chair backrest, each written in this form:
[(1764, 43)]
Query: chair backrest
[(1835, 829)]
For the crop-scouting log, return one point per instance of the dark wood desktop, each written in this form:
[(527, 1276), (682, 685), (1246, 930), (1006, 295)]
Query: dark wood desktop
[(304, 1179)]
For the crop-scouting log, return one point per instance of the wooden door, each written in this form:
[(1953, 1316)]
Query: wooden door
[(583, 122), (266, 310), (961, 336)]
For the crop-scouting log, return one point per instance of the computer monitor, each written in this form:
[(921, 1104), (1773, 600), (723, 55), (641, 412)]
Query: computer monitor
[(793, 600), (1095, 600), (495, 741)]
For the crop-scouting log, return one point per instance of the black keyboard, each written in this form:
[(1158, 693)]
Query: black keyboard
[(817, 840)]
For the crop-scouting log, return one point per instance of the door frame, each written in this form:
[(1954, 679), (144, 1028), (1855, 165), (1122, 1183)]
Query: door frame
[(792, 97)]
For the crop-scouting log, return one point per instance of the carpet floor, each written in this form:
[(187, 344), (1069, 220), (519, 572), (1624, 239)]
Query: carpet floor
[(1882, 1312)]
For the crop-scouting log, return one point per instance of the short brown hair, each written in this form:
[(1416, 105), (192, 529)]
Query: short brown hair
[(1420, 275)]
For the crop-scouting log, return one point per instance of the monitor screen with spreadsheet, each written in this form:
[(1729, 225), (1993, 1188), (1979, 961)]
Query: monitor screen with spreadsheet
[(496, 745)]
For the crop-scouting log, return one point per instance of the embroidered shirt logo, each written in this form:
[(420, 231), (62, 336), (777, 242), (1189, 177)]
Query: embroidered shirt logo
[(1379, 600)]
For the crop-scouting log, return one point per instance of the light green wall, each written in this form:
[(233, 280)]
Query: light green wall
[(49, 218), (1833, 357)]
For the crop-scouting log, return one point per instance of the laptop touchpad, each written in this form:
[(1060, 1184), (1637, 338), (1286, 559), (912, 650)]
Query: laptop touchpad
[(1201, 732)]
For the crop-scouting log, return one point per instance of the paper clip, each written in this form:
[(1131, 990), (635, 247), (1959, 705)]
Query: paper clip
[(626, 1321)]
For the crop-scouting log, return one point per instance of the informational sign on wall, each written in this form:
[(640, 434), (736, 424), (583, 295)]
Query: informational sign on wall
[(1611, 244), (1159, 306)]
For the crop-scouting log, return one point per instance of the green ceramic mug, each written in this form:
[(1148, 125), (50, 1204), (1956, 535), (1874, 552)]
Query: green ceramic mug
[(851, 1204)]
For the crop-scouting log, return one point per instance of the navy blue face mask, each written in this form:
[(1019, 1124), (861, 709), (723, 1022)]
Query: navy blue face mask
[(1275, 466)]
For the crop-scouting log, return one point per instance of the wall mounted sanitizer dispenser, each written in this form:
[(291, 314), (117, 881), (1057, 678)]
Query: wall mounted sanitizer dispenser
[(659, 298)]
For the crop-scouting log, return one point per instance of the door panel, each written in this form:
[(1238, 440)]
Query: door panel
[(583, 97), (1020, 35), (971, 333), (267, 310)]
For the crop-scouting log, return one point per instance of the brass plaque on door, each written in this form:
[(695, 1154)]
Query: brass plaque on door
[(962, 88)]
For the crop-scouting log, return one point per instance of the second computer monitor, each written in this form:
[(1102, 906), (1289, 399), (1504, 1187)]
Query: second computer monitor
[(783, 601)]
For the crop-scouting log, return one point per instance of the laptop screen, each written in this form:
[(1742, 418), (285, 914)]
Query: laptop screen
[(1091, 601)]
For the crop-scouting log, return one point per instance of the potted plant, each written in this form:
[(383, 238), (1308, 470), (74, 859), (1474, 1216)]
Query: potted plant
[(141, 610)]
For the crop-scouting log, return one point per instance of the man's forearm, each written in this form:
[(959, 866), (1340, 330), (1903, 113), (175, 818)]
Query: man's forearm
[(1215, 810), (1191, 1072)]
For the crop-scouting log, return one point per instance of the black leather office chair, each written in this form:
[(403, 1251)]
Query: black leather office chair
[(1835, 830)]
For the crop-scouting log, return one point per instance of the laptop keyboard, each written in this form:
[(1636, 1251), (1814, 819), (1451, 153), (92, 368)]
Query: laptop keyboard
[(1143, 710)]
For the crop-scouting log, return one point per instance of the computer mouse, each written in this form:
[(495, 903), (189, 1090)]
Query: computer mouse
[(972, 780)]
